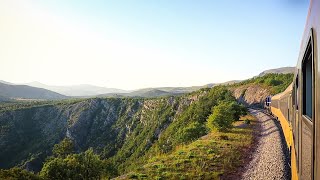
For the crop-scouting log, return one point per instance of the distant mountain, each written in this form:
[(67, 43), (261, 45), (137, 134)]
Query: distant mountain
[(151, 93), (78, 90), (164, 91), (155, 92), (146, 93), (282, 70), (5, 82), (8, 91)]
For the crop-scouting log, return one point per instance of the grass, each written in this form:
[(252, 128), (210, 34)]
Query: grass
[(210, 157)]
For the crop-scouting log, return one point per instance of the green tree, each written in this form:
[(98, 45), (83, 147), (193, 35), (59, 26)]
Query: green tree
[(273, 82), (239, 110), (64, 148), (17, 173), (86, 165), (222, 117), (192, 132)]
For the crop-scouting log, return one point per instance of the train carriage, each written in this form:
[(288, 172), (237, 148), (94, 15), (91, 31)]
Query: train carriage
[(298, 108)]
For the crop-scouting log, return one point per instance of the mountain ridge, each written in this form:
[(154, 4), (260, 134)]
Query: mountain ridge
[(87, 90), (27, 92)]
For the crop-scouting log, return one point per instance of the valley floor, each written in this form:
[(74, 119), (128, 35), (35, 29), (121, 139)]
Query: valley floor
[(269, 160)]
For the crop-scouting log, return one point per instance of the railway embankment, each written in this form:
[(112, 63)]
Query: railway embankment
[(269, 160)]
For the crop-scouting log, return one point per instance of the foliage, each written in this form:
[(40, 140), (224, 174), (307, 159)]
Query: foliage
[(276, 82), (191, 132), (64, 148), (18, 105), (239, 110), (222, 117), (224, 114), (207, 158), (85, 165), (198, 112), (125, 131), (17, 173)]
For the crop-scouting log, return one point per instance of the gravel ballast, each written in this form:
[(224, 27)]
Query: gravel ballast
[(270, 157)]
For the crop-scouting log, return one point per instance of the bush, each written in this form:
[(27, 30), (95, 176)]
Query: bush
[(222, 117), (85, 165), (239, 110), (192, 132), (273, 82), (16, 173), (64, 148)]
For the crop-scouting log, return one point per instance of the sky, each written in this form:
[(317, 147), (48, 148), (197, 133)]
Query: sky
[(131, 44)]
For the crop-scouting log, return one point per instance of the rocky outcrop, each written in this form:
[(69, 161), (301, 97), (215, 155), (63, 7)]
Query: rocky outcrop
[(110, 126), (251, 95)]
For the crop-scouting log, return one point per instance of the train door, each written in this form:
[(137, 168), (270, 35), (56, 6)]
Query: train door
[(307, 117)]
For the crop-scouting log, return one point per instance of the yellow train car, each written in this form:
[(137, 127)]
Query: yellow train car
[(298, 107), (281, 108)]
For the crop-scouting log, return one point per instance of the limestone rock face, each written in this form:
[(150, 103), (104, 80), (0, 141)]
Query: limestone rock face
[(28, 135), (251, 95)]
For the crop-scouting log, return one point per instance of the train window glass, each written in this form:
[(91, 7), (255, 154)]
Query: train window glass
[(293, 95), (307, 83)]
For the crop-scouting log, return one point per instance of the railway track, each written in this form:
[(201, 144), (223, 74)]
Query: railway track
[(270, 159)]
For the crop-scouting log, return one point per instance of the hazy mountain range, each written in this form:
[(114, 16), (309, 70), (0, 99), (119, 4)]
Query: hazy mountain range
[(78, 90), (8, 92), (37, 90)]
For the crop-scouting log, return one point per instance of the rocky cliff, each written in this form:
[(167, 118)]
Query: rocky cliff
[(252, 92), (251, 95), (114, 127)]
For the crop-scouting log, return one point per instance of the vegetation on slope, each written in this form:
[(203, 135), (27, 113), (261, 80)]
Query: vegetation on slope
[(125, 133), (210, 157), (275, 82)]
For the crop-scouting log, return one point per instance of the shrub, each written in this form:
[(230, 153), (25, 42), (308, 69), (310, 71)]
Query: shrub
[(64, 148), (17, 173), (85, 165), (239, 110), (222, 117), (192, 132), (273, 82)]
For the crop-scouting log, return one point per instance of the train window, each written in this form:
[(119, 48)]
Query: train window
[(307, 70)]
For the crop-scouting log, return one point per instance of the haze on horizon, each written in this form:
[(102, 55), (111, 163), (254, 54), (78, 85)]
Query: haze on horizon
[(136, 44)]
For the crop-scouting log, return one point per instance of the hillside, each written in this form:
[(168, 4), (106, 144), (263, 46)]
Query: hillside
[(27, 92), (132, 132), (111, 126), (252, 92), (282, 70), (209, 157), (126, 131)]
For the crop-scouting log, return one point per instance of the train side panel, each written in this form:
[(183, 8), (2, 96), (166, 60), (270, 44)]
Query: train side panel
[(282, 109), (284, 124)]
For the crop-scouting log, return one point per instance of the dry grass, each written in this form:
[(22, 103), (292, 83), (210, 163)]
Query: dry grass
[(210, 157)]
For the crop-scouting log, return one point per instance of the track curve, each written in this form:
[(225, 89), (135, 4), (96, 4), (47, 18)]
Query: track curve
[(270, 157)]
